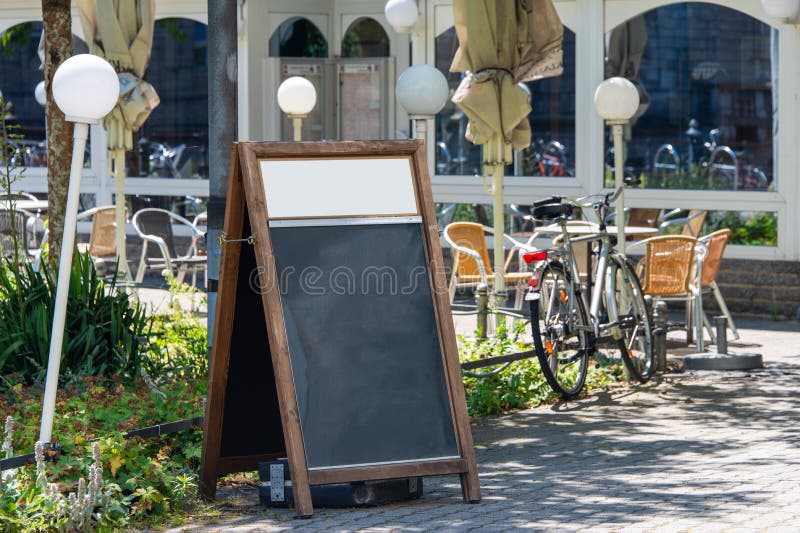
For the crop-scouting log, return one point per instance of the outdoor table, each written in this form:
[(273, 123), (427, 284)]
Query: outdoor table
[(33, 206), (590, 227)]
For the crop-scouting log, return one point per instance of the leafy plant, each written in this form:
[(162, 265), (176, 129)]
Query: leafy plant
[(144, 478), (179, 340), (103, 334), (759, 228), (521, 385)]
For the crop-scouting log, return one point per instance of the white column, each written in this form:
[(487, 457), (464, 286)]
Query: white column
[(589, 67), (788, 164)]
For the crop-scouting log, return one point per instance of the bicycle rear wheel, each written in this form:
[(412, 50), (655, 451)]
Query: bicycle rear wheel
[(634, 332), (561, 332)]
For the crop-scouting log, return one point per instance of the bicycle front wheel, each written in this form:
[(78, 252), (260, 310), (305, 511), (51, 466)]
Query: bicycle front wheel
[(633, 333), (561, 331)]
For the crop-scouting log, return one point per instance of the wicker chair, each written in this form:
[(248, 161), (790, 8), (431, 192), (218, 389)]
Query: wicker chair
[(669, 269), (14, 223), (154, 226), (102, 245), (471, 264), (580, 251), (716, 243)]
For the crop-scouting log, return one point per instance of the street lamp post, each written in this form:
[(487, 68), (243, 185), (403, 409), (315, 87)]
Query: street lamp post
[(85, 88), (422, 91), (297, 97), (616, 101)]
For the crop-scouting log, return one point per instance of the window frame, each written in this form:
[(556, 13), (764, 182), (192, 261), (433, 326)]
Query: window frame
[(596, 18)]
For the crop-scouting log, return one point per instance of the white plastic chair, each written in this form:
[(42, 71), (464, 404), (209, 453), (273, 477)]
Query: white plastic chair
[(154, 226)]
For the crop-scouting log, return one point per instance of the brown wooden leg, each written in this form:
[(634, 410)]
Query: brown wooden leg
[(471, 486)]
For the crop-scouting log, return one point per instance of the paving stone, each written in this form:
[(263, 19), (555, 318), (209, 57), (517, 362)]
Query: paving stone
[(688, 452)]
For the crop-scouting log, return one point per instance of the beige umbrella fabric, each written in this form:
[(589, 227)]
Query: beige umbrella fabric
[(502, 43), (121, 31), (626, 46)]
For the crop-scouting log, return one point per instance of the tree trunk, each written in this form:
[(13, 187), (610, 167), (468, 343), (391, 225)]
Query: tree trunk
[(57, 48)]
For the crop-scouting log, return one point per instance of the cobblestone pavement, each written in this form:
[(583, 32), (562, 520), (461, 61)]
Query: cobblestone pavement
[(704, 451)]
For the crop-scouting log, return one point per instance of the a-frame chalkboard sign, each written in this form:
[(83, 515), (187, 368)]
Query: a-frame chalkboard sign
[(333, 343)]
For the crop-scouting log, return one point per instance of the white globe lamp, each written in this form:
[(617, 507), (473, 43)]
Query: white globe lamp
[(617, 100), (422, 91), (402, 15), (781, 9), (85, 88), (40, 94), (297, 98)]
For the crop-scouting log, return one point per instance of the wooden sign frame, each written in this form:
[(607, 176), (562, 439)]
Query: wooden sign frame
[(247, 201)]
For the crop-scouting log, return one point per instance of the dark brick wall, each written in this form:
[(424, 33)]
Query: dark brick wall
[(769, 288)]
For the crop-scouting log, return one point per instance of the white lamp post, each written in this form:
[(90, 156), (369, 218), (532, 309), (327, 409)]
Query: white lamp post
[(784, 10), (85, 88), (422, 91), (616, 101), (402, 15), (297, 97)]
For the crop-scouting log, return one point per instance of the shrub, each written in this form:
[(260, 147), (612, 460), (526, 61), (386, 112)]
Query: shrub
[(522, 384), (104, 329)]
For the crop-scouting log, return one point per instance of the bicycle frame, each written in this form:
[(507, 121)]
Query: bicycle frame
[(605, 284)]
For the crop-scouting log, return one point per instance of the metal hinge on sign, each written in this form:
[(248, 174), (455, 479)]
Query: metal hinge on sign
[(223, 238), (277, 486)]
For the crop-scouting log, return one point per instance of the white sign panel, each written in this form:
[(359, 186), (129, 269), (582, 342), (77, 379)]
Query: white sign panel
[(324, 188)]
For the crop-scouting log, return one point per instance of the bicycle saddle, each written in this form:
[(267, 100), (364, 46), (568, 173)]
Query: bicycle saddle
[(552, 211)]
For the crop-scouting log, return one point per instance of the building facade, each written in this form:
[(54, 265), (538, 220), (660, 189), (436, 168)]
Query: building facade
[(717, 129)]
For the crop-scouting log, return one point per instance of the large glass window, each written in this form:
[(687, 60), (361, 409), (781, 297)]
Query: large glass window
[(552, 150), (709, 92), (20, 73), (172, 142)]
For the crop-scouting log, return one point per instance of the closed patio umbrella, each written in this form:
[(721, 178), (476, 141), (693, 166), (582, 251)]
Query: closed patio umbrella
[(502, 43), (626, 46), (121, 32)]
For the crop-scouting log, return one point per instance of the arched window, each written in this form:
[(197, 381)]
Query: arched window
[(365, 38), (708, 84), (298, 37), (552, 151), (20, 73)]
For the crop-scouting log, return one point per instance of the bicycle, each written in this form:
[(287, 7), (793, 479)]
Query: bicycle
[(708, 165), (564, 334), (544, 159)]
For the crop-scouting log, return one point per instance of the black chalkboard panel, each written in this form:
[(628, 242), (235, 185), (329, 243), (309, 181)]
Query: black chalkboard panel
[(363, 343), (251, 383)]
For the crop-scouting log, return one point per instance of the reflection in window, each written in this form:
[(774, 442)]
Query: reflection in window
[(705, 76), (172, 142), (752, 228), (552, 150), (365, 38), (298, 37), (19, 76), (186, 206)]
